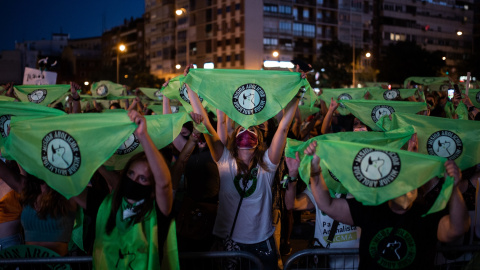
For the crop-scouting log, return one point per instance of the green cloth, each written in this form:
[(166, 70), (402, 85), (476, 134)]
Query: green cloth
[(249, 97), (176, 90), (306, 111), (41, 94), (158, 109), (5, 98), (152, 93), (9, 109), (448, 138), (340, 94), (434, 83), (106, 88), (163, 129), (385, 94), (393, 139), (66, 150), (375, 174), (474, 95), (132, 246), (370, 111)]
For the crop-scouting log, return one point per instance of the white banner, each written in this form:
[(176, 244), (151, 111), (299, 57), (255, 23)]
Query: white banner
[(34, 76)]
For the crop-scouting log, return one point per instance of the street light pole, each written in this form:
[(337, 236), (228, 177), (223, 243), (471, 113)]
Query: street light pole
[(180, 12), (353, 69), (120, 48)]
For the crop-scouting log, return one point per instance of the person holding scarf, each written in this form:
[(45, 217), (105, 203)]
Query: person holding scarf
[(247, 169), (132, 222)]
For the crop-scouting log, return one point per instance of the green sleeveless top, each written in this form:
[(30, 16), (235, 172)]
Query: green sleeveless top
[(129, 246)]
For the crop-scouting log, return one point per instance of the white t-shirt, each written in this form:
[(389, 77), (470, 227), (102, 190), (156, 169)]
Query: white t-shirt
[(346, 236), (254, 221)]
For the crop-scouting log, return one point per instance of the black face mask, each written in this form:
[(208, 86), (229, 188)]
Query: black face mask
[(135, 191)]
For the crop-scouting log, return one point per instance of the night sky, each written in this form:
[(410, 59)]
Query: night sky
[(24, 20)]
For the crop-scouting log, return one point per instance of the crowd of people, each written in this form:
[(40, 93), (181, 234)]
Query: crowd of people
[(232, 188)]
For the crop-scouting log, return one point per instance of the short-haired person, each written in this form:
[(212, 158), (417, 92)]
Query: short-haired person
[(395, 235)]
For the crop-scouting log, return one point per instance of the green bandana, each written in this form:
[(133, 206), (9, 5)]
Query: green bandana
[(41, 94)]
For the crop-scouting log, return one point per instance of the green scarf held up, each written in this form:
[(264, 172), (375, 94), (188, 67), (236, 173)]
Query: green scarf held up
[(107, 88), (41, 94), (370, 111), (163, 129), (249, 97), (376, 174), (64, 151), (340, 94), (379, 93), (394, 139), (449, 138)]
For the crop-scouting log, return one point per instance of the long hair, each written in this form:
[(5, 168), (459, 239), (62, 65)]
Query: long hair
[(52, 203), (143, 209), (243, 168)]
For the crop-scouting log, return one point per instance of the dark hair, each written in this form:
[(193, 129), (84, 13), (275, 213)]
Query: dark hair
[(243, 168), (142, 210), (52, 203)]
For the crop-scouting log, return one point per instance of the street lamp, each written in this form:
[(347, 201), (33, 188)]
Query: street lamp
[(181, 12), (459, 33), (275, 54), (121, 48), (368, 55)]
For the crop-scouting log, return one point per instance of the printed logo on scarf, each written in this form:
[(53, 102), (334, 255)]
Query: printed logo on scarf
[(376, 168), (128, 146), (395, 251), (249, 99), (37, 96), (184, 94), (102, 90), (5, 124), (344, 96), (381, 110), (391, 94), (445, 143), (60, 153)]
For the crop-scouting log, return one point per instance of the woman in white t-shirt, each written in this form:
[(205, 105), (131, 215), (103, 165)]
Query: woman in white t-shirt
[(246, 167)]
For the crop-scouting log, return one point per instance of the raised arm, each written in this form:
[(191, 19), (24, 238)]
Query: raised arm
[(327, 121), (279, 140), (222, 126), (457, 222), (213, 141), (293, 202), (76, 108), (158, 166), (336, 208)]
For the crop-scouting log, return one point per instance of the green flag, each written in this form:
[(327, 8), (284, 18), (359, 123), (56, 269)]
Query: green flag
[(448, 138), (10, 109), (41, 94), (306, 111), (433, 83), (163, 129), (158, 109), (370, 111), (474, 95), (375, 174), (170, 249), (106, 88), (394, 94), (393, 139), (249, 97), (340, 94), (66, 150), (152, 93), (5, 98)]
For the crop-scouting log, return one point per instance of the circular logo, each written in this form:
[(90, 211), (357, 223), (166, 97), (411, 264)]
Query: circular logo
[(393, 251), (391, 94), (381, 110), (248, 186), (344, 96), (157, 93), (37, 96), (444, 87), (5, 124), (184, 94), (249, 99), (60, 153), (477, 97), (175, 109), (445, 143), (376, 168), (102, 90), (128, 146)]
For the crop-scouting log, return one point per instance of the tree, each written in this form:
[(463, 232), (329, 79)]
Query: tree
[(336, 61), (404, 59)]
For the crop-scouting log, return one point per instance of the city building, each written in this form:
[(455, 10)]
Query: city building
[(82, 60), (252, 34)]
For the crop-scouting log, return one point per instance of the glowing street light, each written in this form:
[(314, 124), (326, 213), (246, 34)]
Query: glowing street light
[(275, 54), (459, 33), (121, 48), (178, 66), (180, 11), (368, 55), (444, 58)]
